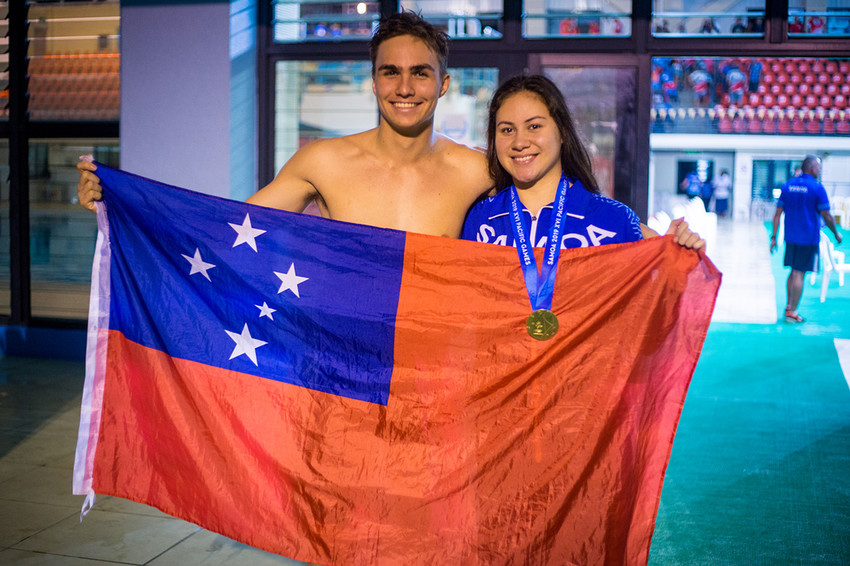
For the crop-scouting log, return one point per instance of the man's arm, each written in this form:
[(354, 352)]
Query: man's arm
[(830, 223), (776, 218), (292, 189)]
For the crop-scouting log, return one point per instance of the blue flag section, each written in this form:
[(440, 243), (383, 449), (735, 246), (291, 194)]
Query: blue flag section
[(298, 309)]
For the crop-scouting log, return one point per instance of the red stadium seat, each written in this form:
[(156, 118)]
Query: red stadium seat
[(823, 78), (830, 67), (825, 101), (811, 101), (817, 67), (782, 78), (790, 67), (796, 100), (809, 79), (790, 89), (781, 100), (840, 101), (775, 89), (832, 89), (768, 126), (803, 67), (754, 99), (795, 78), (762, 89), (837, 78), (817, 89), (828, 126), (844, 89), (804, 89), (768, 100), (813, 125), (844, 67)]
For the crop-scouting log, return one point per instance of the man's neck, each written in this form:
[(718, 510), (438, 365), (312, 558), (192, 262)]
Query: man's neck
[(403, 147)]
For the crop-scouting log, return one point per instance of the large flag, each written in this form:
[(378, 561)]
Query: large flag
[(348, 395)]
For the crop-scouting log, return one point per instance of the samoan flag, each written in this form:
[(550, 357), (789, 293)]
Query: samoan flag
[(342, 394)]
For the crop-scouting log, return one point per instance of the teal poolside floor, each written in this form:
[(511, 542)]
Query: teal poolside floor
[(759, 473), (760, 469)]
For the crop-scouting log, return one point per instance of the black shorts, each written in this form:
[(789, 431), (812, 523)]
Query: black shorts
[(800, 258)]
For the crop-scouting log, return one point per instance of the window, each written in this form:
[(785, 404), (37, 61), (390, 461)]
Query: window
[(743, 19), (311, 20), (576, 18), (62, 233), (740, 95), (474, 19), (830, 18), (73, 61)]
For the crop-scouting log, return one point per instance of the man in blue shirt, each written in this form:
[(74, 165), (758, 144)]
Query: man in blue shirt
[(804, 202)]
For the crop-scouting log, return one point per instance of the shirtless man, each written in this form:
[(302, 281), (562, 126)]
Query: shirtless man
[(400, 175)]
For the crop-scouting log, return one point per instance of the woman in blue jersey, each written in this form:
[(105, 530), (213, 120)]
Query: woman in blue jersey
[(533, 146)]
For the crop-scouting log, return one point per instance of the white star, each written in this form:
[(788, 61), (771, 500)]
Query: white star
[(266, 310), (198, 265), (246, 233), (245, 344), (290, 280)]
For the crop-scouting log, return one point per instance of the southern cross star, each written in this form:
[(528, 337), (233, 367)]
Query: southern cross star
[(290, 281), (198, 265), (245, 344), (266, 310), (246, 234)]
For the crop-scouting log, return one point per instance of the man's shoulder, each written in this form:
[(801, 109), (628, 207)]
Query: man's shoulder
[(468, 164), (453, 150)]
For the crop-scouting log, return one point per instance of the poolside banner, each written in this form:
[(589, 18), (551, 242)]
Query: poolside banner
[(348, 395)]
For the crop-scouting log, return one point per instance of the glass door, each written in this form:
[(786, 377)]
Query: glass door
[(602, 96)]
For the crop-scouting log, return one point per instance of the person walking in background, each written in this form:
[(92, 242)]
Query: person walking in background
[(721, 186), (804, 202), (692, 185)]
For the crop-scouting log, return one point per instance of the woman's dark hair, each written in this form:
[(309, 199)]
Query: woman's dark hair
[(575, 161), (411, 23)]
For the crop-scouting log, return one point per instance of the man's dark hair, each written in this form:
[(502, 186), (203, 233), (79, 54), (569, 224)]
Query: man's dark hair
[(575, 161), (411, 23), (809, 163)]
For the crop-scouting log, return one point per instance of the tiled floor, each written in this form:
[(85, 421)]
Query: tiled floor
[(741, 252), (39, 412)]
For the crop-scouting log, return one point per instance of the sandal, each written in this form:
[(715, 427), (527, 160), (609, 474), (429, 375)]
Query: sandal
[(791, 316)]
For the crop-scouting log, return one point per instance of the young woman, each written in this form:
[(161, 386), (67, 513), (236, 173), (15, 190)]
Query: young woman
[(533, 149)]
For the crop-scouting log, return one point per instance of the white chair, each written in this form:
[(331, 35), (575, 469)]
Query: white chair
[(659, 222), (831, 260)]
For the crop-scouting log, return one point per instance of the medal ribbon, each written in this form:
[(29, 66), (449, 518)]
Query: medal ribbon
[(540, 289)]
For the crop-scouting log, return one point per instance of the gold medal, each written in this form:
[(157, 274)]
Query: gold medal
[(542, 324)]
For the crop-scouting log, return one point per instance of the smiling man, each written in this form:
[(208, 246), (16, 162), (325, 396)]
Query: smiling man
[(400, 175)]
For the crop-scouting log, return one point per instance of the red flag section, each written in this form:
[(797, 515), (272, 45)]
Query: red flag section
[(493, 448)]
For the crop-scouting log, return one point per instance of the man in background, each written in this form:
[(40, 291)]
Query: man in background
[(804, 202)]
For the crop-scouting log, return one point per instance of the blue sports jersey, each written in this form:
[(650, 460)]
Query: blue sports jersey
[(591, 220), (803, 199)]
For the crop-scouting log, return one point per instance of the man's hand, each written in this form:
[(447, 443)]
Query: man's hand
[(88, 187), (772, 244), (684, 236)]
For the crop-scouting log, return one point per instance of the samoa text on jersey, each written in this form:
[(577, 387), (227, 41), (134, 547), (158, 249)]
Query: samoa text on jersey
[(591, 220)]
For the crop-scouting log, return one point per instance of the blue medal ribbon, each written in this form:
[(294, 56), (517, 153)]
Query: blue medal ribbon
[(540, 287)]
